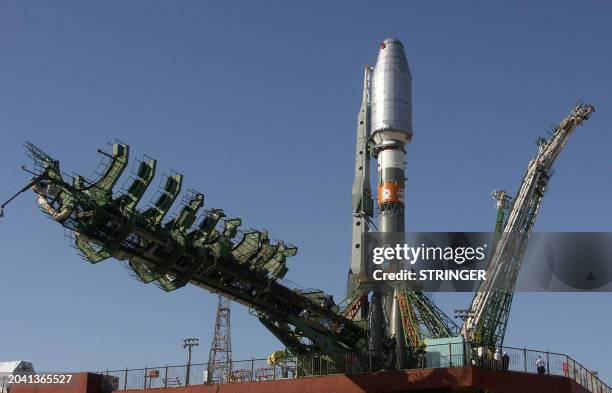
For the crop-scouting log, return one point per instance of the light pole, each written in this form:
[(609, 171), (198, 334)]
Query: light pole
[(188, 343)]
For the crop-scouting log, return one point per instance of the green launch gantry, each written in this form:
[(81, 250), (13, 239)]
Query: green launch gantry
[(203, 248), (490, 309)]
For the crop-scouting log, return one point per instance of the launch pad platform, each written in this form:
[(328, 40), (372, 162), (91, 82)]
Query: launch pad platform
[(465, 380)]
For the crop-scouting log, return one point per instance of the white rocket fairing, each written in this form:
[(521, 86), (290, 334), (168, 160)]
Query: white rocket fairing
[(392, 92)]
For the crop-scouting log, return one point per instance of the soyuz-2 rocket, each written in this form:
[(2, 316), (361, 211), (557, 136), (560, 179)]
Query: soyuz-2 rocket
[(383, 130)]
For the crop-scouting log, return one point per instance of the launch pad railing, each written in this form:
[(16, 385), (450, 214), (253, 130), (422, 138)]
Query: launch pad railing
[(433, 356)]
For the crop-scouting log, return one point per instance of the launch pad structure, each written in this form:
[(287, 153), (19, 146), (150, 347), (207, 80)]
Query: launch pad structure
[(386, 325)]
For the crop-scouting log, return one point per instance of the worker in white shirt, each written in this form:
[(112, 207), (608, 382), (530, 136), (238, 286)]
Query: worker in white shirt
[(497, 358), (540, 365)]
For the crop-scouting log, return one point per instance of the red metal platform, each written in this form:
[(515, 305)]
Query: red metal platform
[(424, 380)]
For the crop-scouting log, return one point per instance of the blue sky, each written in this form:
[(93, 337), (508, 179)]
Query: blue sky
[(256, 104)]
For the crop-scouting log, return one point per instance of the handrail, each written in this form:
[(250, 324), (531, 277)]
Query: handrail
[(454, 354)]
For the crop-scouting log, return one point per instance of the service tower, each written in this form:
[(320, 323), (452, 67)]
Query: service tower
[(391, 129)]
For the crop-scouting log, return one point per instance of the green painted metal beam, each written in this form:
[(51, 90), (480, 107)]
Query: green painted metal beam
[(176, 253)]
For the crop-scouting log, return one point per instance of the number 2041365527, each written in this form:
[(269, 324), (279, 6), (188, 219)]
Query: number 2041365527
[(40, 378)]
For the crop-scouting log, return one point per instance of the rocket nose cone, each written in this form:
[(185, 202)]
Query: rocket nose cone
[(392, 51), (391, 42), (391, 54), (391, 90)]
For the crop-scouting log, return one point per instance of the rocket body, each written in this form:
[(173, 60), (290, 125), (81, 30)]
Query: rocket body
[(391, 129)]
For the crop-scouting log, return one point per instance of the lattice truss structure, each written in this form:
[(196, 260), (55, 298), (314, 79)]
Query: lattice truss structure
[(220, 357), (490, 307), (201, 247), (421, 317)]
